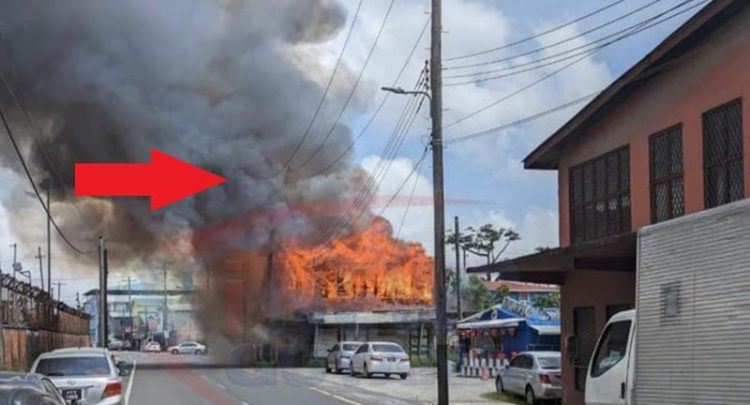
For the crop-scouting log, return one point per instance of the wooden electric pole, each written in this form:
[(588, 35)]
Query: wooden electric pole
[(436, 112), (39, 256)]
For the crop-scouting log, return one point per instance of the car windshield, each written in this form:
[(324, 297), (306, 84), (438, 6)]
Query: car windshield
[(73, 366), (549, 363), (350, 347), (387, 348)]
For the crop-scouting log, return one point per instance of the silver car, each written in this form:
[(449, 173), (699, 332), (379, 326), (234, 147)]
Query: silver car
[(85, 376), (340, 356), (535, 375), (187, 348)]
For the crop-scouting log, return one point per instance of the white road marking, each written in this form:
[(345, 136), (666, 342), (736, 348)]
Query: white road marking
[(221, 386), (245, 403), (130, 383), (338, 397)]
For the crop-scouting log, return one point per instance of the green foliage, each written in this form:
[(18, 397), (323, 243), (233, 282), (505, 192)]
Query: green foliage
[(316, 363), (423, 361), (484, 241), (478, 296), (551, 300)]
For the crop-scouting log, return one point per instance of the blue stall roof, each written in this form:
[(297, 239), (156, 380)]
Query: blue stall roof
[(546, 329), (491, 323)]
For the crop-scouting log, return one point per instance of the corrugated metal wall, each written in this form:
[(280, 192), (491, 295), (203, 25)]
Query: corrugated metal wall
[(693, 301)]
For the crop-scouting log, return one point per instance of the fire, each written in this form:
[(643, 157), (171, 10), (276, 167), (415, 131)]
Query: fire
[(370, 266)]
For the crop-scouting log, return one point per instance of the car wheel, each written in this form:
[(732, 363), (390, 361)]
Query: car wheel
[(366, 372), (351, 371), (530, 397), (328, 369), (175, 351), (198, 352), (403, 376), (336, 368), (499, 385)]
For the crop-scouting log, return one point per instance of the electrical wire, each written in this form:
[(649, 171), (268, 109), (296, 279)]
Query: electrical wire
[(411, 197), (560, 42), (40, 141), (351, 93), (629, 32), (34, 186), (382, 103), (323, 96), (535, 36)]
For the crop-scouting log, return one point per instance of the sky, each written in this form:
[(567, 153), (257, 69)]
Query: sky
[(484, 177)]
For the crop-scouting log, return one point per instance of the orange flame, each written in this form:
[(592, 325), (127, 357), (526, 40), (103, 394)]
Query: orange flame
[(367, 267)]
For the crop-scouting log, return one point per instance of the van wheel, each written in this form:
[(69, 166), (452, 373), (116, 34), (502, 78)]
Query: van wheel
[(175, 351), (336, 368), (403, 376), (367, 372), (198, 352), (328, 369), (351, 371), (499, 385), (530, 397)]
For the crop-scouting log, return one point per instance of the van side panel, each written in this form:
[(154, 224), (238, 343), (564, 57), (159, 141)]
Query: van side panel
[(693, 309)]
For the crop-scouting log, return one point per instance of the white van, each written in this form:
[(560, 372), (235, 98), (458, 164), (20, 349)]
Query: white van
[(687, 340)]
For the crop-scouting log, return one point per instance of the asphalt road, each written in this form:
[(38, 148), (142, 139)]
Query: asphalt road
[(187, 380)]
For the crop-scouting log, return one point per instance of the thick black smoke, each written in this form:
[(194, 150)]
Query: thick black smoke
[(229, 85)]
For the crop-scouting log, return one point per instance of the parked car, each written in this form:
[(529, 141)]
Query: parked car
[(28, 389), (340, 356), (187, 348), (126, 345), (84, 375), (380, 358), (535, 375), (152, 347), (115, 344)]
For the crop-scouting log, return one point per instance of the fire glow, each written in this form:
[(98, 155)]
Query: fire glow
[(370, 266)]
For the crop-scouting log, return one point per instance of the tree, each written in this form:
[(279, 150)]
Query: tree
[(547, 301), (487, 241), (477, 295)]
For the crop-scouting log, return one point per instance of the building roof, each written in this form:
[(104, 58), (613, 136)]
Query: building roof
[(516, 286), (492, 323), (546, 155), (546, 329), (365, 317)]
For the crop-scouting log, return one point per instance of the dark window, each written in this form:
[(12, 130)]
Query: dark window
[(584, 330), (335, 348), (611, 350), (599, 194), (385, 348), (667, 184), (362, 349), (722, 154), (350, 346), (73, 366), (670, 297), (549, 363), (516, 362)]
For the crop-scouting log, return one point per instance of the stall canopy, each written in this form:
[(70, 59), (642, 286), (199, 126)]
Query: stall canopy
[(492, 323)]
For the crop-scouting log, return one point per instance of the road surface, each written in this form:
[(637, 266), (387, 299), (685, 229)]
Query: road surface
[(186, 380)]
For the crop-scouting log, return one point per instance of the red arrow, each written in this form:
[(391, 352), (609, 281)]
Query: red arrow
[(166, 179)]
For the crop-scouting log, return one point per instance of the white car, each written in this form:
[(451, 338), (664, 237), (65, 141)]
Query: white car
[(535, 375), (380, 358), (84, 375), (152, 347), (187, 348)]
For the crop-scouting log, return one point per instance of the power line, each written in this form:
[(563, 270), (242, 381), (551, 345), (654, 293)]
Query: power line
[(351, 93), (629, 32), (560, 42), (33, 184), (646, 73), (411, 197), (398, 135), (524, 120), (45, 153), (382, 103), (323, 97), (535, 36), (414, 170)]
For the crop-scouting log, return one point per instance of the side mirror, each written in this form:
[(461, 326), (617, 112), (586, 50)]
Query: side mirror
[(123, 368), (571, 346)]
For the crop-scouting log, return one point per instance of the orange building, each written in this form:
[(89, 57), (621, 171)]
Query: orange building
[(669, 137)]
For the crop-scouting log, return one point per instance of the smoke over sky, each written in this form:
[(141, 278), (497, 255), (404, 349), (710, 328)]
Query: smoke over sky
[(228, 85)]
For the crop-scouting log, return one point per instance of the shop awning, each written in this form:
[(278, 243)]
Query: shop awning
[(491, 324), (546, 329), (615, 253)]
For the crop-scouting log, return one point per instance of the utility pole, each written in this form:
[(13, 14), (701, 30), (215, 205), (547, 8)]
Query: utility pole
[(59, 291), (164, 315), (78, 301), (39, 256), (458, 269), (436, 113), (102, 295), (130, 311), (436, 109), (46, 186)]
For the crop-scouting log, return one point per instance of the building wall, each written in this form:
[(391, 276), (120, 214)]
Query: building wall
[(710, 76), (589, 288)]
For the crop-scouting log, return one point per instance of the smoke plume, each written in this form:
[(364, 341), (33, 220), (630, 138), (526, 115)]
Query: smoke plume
[(228, 85)]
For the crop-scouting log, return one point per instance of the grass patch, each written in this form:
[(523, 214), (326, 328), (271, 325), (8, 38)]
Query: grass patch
[(512, 399)]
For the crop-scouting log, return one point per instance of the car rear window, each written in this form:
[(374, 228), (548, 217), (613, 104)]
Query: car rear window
[(73, 366), (387, 348), (549, 363), (350, 346)]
